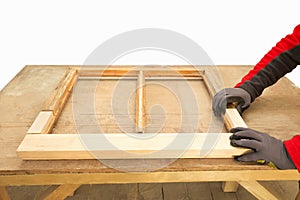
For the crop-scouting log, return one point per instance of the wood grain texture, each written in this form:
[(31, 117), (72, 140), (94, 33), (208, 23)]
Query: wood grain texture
[(123, 146), (3, 193), (233, 119), (257, 190), (61, 93), (15, 121), (140, 103), (133, 71), (58, 192), (148, 177), (43, 123)]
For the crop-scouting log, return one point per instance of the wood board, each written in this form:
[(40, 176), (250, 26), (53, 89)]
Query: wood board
[(16, 120), (123, 146)]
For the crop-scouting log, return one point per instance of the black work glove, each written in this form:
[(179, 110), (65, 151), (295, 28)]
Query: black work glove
[(231, 95), (265, 147)]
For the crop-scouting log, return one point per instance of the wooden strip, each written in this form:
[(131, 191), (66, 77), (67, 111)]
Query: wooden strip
[(148, 177), (61, 93), (134, 71), (140, 104), (257, 190), (233, 119), (210, 88), (43, 123), (123, 146), (58, 192), (3, 193), (166, 78)]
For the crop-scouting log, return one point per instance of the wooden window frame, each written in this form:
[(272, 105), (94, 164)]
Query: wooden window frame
[(38, 144)]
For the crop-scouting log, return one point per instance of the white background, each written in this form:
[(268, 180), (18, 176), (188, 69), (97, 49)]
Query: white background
[(66, 32)]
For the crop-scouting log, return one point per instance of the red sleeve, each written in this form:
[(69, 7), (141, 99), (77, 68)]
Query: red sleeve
[(281, 59), (293, 148)]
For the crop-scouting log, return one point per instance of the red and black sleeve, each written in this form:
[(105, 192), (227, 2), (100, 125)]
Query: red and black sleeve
[(280, 60)]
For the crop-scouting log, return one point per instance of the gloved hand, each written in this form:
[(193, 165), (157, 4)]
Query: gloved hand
[(265, 148), (230, 95)]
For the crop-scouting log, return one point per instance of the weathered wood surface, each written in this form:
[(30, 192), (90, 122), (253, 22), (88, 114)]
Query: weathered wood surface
[(24, 97)]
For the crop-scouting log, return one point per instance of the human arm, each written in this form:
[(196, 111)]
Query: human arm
[(265, 148), (280, 60)]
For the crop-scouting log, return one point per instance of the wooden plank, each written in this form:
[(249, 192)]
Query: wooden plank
[(3, 193), (232, 119), (128, 71), (140, 103), (210, 88), (123, 146), (148, 177), (43, 123), (61, 93), (257, 190), (58, 192), (281, 189), (135, 78)]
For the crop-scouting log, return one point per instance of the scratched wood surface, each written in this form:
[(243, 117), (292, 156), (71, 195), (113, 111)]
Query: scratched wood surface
[(23, 98)]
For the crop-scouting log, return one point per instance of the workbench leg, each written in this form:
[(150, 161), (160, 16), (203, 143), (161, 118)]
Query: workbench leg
[(58, 192), (3, 193), (230, 186), (257, 190)]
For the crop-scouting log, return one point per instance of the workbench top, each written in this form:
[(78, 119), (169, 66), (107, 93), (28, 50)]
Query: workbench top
[(275, 112)]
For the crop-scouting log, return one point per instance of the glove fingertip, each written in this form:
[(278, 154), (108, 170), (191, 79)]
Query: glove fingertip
[(242, 158), (237, 129), (237, 158), (234, 143)]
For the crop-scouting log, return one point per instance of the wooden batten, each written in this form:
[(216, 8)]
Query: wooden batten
[(257, 190), (233, 119), (140, 103), (60, 95), (58, 192), (123, 146), (4, 193), (149, 71), (43, 123)]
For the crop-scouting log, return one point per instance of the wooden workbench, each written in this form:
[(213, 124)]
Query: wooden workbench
[(275, 112)]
